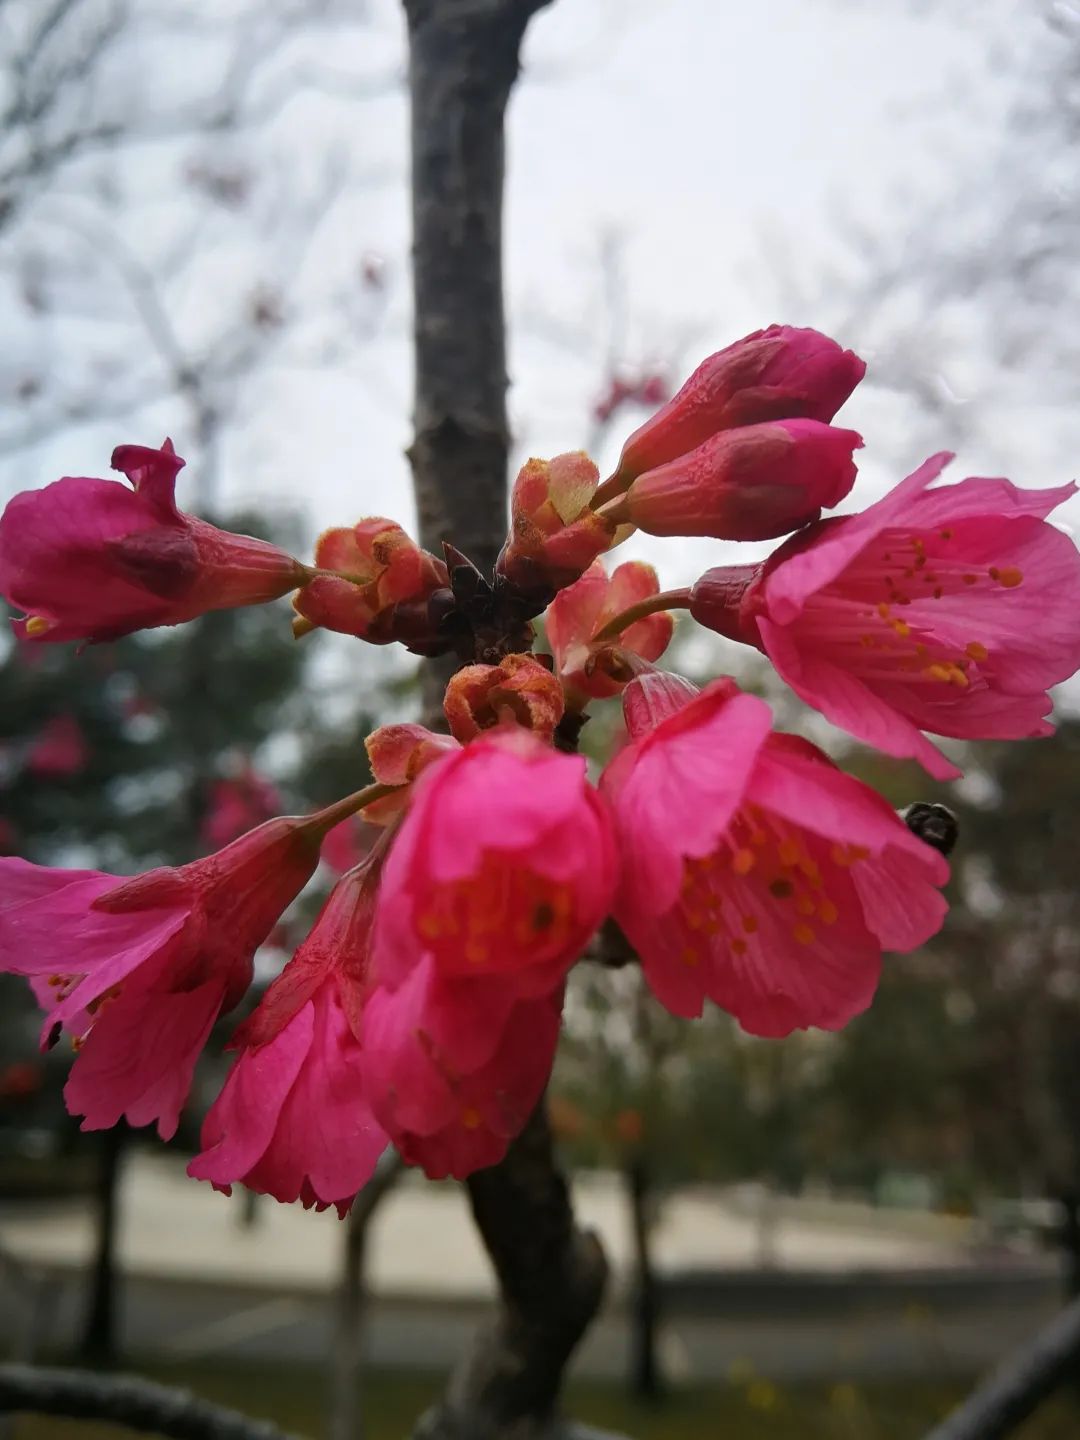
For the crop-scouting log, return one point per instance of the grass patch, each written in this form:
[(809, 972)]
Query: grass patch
[(752, 1409)]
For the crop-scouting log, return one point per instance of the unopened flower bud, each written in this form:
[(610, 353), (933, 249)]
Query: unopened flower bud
[(518, 691), (753, 483), (776, 374), (380, 589), (554, 535)]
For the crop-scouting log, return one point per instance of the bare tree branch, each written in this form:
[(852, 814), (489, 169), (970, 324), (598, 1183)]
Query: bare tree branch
[(124, 1400), (1021, 1384)]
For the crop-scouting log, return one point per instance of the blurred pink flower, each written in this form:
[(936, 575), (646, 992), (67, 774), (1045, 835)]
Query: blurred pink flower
[(59, 750), (238, 803)]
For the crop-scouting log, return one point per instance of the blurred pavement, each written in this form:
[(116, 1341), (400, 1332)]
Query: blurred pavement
[(854, 1292)]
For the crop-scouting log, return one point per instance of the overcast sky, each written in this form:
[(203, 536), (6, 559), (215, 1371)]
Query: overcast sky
[(713, 148)]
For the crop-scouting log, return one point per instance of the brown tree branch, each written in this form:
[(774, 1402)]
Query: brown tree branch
[(1024, 1380), (463, 60), (124, 1400)]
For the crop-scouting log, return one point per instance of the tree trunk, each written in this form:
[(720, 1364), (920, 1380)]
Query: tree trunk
[(463, 61), (646, 1380), (100, 1344), (346, 1405)]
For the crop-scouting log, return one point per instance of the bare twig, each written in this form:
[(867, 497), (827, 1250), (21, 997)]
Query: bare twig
[(125, 1400), (1021, 1384)]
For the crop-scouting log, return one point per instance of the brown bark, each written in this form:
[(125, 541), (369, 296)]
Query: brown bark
[(463, 61)]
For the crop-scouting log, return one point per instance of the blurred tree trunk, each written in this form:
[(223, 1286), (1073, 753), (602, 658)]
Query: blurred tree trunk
[(646, 1380), (100, 1343), (346, 1401)]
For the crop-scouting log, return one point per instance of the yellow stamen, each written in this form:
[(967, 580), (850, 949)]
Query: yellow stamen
[(743, 861), (37, 625), (976, 651), (804, 934)]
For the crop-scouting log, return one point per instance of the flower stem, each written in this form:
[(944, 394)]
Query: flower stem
[(351, 804), (666, 600), (614, 485)]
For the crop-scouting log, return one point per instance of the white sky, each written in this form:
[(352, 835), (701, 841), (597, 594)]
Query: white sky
[(716, 146)]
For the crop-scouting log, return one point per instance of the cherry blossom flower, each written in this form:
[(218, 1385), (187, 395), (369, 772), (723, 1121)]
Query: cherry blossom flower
[(504, 865), (138, 970), (453, 1113), (293, 1119), (951, 610), (752, 483), (755, 873), (591, 671), (94, 559)]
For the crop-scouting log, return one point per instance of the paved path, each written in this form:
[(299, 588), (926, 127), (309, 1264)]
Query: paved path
[(199, 1284), (424, 1244)]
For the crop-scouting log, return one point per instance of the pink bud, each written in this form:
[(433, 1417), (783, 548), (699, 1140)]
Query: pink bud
[(554, 534), (776, 374), (752, 483), (519, 691), (381, 587), (94, 559)]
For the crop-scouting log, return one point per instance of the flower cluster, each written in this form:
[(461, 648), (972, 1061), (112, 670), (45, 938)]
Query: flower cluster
[(744, 868)]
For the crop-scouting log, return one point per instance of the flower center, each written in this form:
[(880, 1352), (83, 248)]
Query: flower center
[(763, 874), (880, 612), (503, 916)]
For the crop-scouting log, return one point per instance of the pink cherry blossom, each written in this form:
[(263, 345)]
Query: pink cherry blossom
[(755, 873), (293, 1119), (591, 671), (951, 610), (238, 803), (780, 373), (137, 971), (504, 865), (59, 750), (94, 559), (455, 1110)]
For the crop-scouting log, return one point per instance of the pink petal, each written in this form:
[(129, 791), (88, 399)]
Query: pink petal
[(706, 752), (849, 703), (139, 1058), (789, 585), (239, 1126)]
